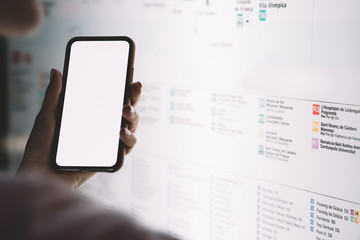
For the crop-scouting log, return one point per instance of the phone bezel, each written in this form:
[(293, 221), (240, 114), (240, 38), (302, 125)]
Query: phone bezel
[(129, 75)]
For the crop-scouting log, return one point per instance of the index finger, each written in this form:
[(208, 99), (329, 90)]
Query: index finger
[(52, 93), (135, 93)]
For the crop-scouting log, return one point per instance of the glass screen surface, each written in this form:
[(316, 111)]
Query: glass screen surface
[(92, 111), (249, 116)]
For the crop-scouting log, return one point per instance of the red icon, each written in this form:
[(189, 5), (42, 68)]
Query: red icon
[(28, 58), (316, 109), (16, 57)]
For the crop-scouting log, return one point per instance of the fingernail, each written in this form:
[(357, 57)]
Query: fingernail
[(52, 72), (132, 110), (127, 131), (139, 84)]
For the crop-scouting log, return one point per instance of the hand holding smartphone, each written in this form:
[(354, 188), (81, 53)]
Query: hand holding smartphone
[(97, 75)]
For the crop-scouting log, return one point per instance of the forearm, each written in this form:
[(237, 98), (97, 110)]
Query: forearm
[(35, 207)]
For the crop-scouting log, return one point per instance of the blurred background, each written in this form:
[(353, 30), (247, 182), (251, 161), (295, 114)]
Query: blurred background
[(240, 99)]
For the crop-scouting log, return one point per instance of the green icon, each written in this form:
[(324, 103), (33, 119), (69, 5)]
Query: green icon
[(214, 97), (240, 20), (261, 118), (261, 150), (213, 112), (262, 15), (213, 126), (352, 219)]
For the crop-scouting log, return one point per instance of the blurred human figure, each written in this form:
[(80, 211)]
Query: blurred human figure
[(40, 203), (20, 17)]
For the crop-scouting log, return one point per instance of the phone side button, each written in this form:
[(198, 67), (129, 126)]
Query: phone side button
[(132, 75)]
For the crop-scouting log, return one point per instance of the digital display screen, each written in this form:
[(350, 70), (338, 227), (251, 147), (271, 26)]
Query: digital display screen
[(249, 114)]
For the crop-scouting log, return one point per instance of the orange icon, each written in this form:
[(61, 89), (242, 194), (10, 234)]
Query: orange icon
[(315, 126)]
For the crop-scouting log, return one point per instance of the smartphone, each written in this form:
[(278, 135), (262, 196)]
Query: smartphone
[(96, 79)]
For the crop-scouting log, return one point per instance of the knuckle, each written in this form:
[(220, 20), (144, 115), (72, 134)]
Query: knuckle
[(137, 116), (134, 139)]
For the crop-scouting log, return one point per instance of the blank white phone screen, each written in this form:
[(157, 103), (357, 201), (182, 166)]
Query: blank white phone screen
[(92, 111)]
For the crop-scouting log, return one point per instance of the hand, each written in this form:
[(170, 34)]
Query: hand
[(38, 148), (132, 117)]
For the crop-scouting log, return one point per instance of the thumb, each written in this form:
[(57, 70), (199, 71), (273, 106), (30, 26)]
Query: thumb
[(38, 146)]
